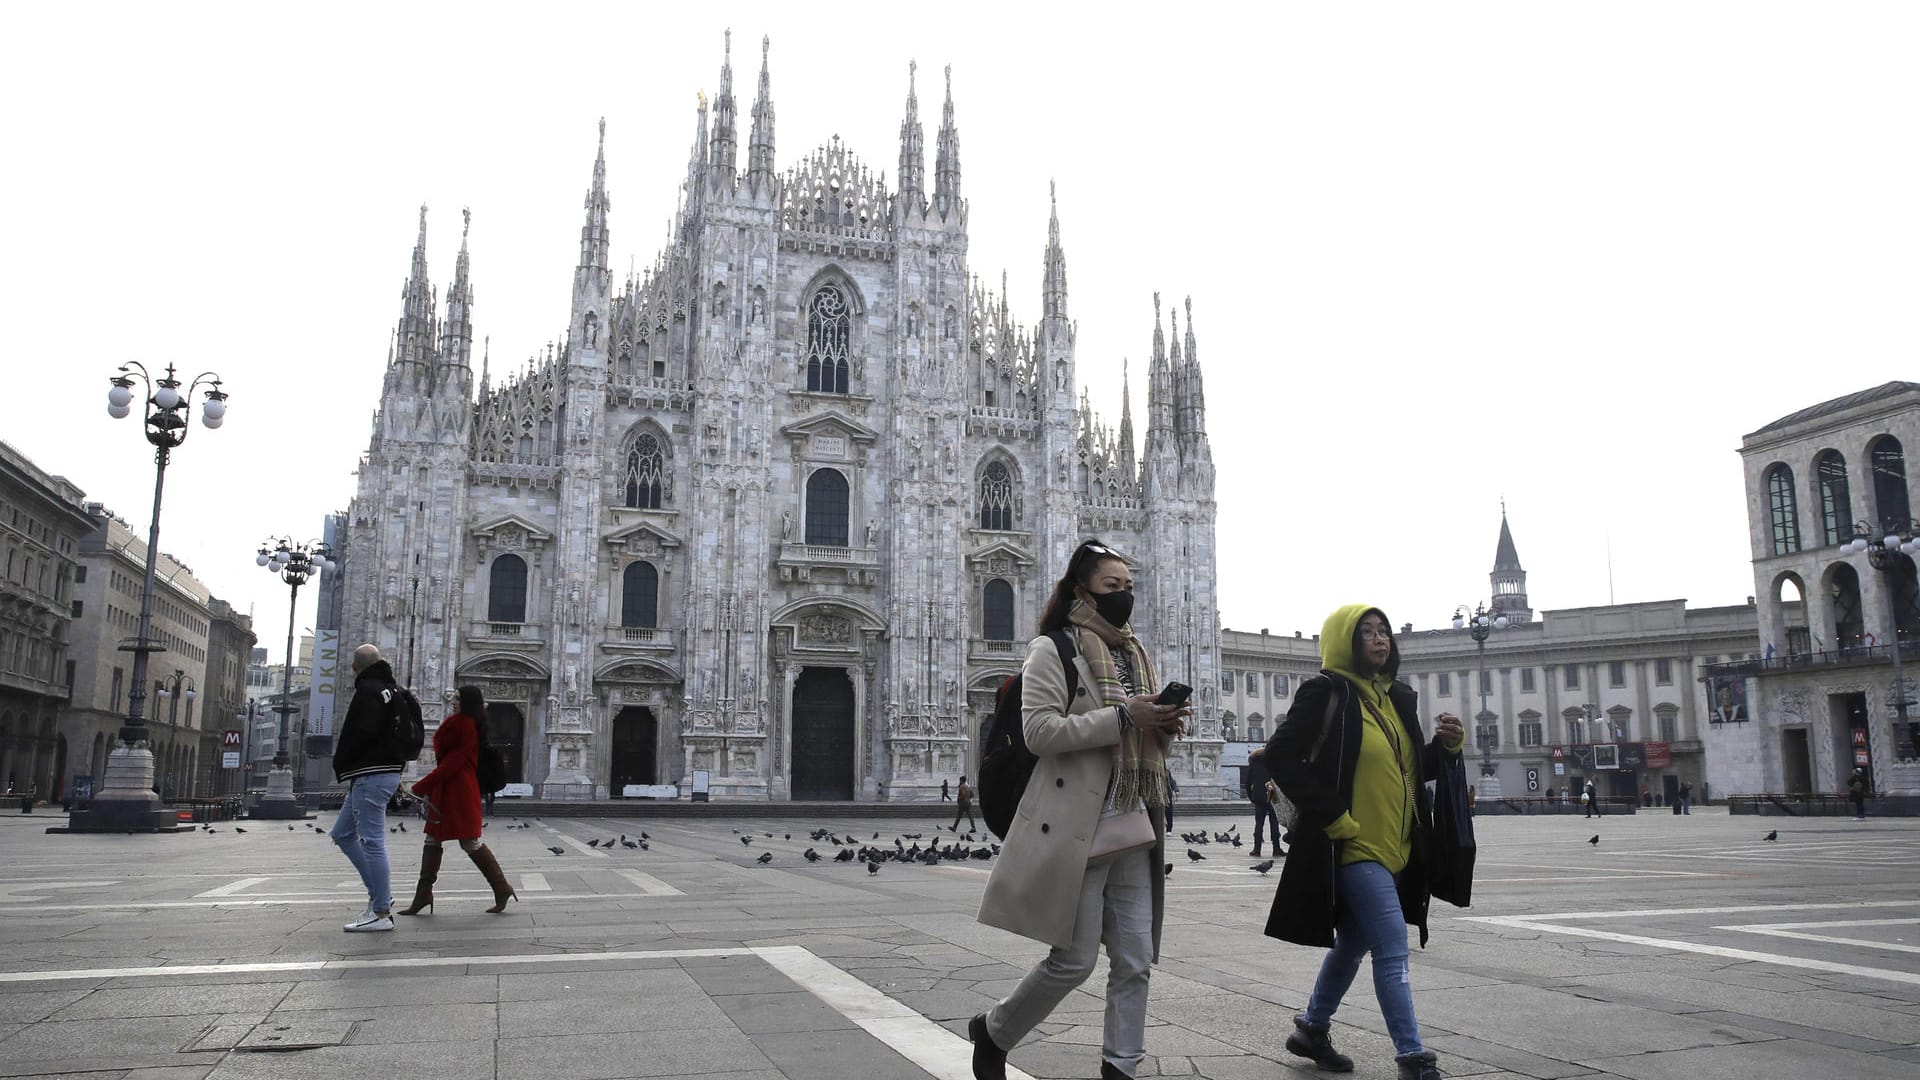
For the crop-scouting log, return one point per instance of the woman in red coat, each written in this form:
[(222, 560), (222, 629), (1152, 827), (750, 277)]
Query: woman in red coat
[(450, 795)]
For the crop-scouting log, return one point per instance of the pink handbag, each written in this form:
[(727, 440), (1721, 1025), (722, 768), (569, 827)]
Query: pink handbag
[(1121, 834)]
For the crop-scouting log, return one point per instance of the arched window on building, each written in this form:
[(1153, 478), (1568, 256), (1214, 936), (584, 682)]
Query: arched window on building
[(1782, 511), (827, 508), (640, 595), (996, 497), (996, 610), (1836, 500), (507, 590), (1256, 728), (643, 480), (829, 333), (1903, 583), (1890, 483), (1849, 626)]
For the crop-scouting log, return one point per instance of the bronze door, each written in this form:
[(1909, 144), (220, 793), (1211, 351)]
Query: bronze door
[(823, 749), (634, 735)]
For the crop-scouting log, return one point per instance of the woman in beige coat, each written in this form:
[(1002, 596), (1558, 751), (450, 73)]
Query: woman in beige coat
[(1101, 762)]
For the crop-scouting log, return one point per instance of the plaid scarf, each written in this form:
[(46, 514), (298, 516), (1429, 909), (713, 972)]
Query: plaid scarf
[(1139, 762)]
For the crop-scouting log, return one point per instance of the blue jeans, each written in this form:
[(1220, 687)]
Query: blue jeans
[(361, 832), (1263, 811), (1370, 921)]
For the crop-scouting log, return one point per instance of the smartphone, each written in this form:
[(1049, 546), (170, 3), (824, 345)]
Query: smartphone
[(1174, 693)]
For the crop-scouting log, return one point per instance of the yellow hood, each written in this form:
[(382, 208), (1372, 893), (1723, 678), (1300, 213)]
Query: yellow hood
[(1338, 653)]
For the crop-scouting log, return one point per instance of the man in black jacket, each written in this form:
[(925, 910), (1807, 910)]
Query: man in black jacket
[(367, 761), (1258, 779)]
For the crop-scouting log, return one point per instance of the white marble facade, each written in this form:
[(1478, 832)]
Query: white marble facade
[(783, 509)]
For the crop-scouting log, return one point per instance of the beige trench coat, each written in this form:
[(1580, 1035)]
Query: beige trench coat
[(1034, 890)]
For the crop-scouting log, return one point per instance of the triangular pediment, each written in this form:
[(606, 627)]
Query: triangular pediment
[(830, 422), (513, 521), (641, 533), (1003, 552), (502, 665)]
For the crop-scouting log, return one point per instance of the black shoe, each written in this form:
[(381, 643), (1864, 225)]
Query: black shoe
[(1421, 1066), (1315, 1042), (1110, 1071), (989, 1061)]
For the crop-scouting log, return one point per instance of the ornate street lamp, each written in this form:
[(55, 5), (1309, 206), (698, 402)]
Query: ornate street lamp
[(1481, 625), (1881, 547), (296, 563), (171, 689), (126, 801)]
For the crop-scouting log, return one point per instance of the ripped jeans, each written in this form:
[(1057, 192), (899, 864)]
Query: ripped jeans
[(1370, 921)]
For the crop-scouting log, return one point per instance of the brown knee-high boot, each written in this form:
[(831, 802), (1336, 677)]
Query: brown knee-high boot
[(490, 868), (429, 873)]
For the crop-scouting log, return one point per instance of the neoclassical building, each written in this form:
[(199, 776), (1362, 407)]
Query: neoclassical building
[(778, 514), (42, 521), (1613, 693), (1821, 698)]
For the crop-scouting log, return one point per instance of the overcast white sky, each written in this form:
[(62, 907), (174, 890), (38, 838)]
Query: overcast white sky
[(1438, 254)]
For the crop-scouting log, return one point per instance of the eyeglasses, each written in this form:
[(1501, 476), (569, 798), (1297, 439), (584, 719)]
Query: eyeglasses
[(1368, 633)]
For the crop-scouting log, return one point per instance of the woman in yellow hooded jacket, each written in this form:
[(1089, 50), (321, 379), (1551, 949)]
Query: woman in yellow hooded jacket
[(1352, 758)]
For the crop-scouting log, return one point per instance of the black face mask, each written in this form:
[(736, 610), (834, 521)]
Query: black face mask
[(1115, 607)]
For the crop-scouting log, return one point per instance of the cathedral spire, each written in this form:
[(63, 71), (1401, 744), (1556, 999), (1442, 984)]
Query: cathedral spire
[(1054, 288), (456, 333), (416, 329), (1159, 386), (760, 150), (1127, 463), (593, 235), (913, 156), (1194, 393), (725, 144), (946, 179)]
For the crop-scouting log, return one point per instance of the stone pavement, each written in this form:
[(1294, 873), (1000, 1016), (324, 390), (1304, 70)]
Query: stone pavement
[(1684, 948)]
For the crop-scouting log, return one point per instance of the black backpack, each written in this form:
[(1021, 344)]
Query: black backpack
[(1006, 764), (406, 728)]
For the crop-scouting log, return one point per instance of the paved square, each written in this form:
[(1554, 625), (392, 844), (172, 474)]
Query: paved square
[(1677, 947)]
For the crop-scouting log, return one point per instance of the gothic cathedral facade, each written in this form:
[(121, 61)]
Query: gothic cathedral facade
[(779, 514)]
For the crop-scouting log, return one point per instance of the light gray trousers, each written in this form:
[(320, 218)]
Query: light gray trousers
[(1116, 907)]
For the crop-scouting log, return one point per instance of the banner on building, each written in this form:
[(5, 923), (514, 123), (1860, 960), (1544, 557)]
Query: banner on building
[(1606, 756), (326, 668), (1659, 755), (1728, 701)]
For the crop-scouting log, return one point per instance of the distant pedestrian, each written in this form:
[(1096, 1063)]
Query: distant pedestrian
[(1857, 791), (1099, 783), (366, 759), (1352, 756), (1173, 793), (1259, 789), (450, 797), (1590, 797), (944, 797), (1473, 798), (965, 806), (1646, 795), (1686, 798)]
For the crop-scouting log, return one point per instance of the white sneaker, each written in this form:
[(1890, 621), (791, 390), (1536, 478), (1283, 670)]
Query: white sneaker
[(369, 922)]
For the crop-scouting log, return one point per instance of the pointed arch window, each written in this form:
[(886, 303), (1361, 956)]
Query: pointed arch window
[(1836, 501), (1890, 483), (643, 482), (829, 331), (996, 497), (507, 590), (996, 610), (640, 595), (1782, 510), (827, 508)]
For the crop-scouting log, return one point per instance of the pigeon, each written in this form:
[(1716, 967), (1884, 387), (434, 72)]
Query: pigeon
[(593, 843), (876, 836), (558, 850), (765, 858), (843, 855), (1774, 835), (810, 855), (746, 840), (626, 843), (873, 868), (237, 828), (644, 836), (1169, 872), (785, 836), (289, 826), (1194, 855), (403, 826), (1263, 867), (1594, 839), (210, 829)]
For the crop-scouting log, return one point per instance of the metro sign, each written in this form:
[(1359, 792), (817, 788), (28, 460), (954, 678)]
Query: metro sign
[(232, 739)]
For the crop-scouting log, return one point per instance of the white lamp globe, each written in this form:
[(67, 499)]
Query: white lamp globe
[(1459, 622), (118, 412), (1891, 541), (166, 397), (1500, 622), (212, 421), (121, 396), (214, 408), (190, 695), (262, 559)]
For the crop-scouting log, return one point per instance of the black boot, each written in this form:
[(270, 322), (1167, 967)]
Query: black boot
[(1315, 1042), (1420, 1066), (989, 1061), (1110, 1071)]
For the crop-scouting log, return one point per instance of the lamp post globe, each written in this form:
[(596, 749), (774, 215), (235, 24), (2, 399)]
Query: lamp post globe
[(126, 800), (1891, 555), (1480, 625), (296, 564)]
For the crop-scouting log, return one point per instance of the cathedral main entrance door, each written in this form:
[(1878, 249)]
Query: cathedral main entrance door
[(635, 734), (823, 750), (507, 730)]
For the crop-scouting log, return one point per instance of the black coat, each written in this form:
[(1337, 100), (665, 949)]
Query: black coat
[(365, 745), (1255, 785), (1306, 905)]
